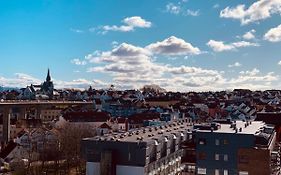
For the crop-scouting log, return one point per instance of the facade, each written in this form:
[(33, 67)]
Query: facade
[(234, 148), (150, 150), (50, 114)]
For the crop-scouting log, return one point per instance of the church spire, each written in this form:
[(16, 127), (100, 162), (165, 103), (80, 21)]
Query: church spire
[(48, 79)]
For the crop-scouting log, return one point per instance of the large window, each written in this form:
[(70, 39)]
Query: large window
[(202, 141), (225, 157), (225, 172), (217, 157), (217, 142), (201, 171), (217, 172)]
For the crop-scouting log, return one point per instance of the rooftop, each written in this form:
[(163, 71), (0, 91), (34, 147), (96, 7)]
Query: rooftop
[(239, 127), (148, 133)]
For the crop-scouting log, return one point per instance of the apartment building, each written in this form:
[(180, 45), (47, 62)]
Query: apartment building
[(145, 151), (234, 148)]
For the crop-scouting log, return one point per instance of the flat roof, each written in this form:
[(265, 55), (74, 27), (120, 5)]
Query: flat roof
[(147, 134), (252, 128)]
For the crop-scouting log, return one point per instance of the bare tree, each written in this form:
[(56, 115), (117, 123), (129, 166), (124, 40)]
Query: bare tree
[(70, 144)]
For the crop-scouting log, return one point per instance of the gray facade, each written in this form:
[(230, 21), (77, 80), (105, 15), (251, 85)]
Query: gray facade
[(156, 149)]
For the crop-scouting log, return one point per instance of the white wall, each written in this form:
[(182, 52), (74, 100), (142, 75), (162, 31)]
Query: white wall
[(92, 168), (126, 170)]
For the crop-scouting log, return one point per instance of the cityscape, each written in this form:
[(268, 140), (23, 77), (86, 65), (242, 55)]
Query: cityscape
[(172, 87)]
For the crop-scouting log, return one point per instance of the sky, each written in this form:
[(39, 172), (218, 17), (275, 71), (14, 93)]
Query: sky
[(181, 45)]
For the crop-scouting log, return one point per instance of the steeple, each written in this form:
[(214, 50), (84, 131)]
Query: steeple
[(48, 79)]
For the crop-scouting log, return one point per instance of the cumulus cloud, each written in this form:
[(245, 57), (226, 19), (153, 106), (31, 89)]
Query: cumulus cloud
[(220, 46), (236, 64), (80, 84), (132, 66), (249, 35), (254, 75), (173, 46), (279, 63), (260, 10), (130, 23), (79, 62), (274, 34)]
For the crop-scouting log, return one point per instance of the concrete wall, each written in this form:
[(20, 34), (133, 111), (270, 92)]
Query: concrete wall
[(126, 170), (92, 168)]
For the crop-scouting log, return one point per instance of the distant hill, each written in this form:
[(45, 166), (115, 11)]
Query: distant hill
[(7, 88)]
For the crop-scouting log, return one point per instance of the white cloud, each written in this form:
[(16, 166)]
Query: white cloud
[(136, 21), (254, 76), (274, 34), (79, 62), (249, 35), (173, 46), (130, 24), (172, 8), (80, 84), (236, 64), (279, 63), (132, 66), (20, 80), (253, 72), (179, 9), (259, 10), (76, 30), (192, 13), (244, 44), (220, 46), (216, 6)]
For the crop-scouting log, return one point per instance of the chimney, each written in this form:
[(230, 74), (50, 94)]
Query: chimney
[(126, 124)]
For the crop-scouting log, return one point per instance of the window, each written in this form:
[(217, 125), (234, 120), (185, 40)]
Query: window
[(217, 157), (225, 172), (217, 142), (243, 173), (201, 171), (225, 157), (202, 156), (225, 142), (202, 141), (217, 172)]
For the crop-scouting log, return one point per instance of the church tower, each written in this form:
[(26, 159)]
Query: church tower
[(48, 87), (48, 79)]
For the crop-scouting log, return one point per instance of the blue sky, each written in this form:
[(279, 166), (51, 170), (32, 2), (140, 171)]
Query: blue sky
[(178, 44)]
